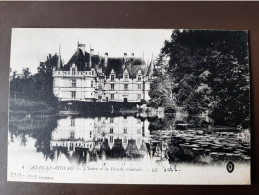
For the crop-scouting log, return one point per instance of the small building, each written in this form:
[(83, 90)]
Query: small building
[(92, 78)]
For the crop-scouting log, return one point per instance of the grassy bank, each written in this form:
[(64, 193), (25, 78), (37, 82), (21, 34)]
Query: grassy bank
[(22, 107)]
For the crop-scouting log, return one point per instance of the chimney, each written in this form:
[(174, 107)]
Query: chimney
[(59, 59), (91, 52), (106, 60), (81, 47), (125, 57)]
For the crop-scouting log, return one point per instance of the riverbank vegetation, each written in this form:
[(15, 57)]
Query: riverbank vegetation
[(33, 94), (205, 72)]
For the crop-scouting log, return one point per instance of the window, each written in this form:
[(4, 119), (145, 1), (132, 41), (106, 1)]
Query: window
[(126, 76), (73, 71), (90, 134), (72, 122), (111, 120), (125, 130), (139, 77), (125, 86), (139, 96), (73, 94), (92, 84), (112, 77), (112, 86), (125, 140), (73, 83), (111, 139), (111, 130), (92, 72), (112, 96), (72, 134), (139, 86)]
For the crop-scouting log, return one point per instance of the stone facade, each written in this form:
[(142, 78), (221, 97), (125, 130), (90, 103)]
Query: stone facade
[(93, 78)]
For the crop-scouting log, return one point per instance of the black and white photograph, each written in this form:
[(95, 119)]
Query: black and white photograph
[(129, 106)]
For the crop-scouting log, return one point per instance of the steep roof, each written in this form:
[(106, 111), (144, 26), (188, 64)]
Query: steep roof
[(132, 66), (82, 59)]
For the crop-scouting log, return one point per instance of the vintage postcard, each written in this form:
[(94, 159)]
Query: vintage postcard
[(129, 106)]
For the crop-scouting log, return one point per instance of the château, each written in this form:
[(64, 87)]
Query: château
[(91, 77)]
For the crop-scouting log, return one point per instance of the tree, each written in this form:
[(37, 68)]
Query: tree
[(38, 87), (210, 72), (161, 91), (26, 73)]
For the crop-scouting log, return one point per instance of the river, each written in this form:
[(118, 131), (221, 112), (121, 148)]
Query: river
[(81, 140)]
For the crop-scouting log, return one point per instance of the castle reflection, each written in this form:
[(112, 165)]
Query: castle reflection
[(91, 139)]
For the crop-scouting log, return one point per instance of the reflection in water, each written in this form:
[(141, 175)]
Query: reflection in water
[(86, 139), (89, 139)]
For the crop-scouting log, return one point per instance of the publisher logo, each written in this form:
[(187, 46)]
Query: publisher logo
[(230, 167)]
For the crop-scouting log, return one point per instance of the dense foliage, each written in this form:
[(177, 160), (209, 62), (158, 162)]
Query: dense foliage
[(37, 87), (209, 71)]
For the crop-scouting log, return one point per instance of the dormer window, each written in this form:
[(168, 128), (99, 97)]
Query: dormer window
[(139, 77), (73, 71), (111, 139), (112, 77), (126, 76)]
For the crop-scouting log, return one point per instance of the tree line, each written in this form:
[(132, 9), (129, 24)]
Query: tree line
[(37, 87), (205, 71)]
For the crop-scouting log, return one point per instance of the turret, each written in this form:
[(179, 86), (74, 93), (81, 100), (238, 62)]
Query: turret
[(81, 47), (90, 58)]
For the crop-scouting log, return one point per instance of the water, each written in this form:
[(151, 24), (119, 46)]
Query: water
[(83, 140)]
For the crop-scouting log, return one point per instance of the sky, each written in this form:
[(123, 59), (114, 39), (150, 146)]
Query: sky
[(30, 46)]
